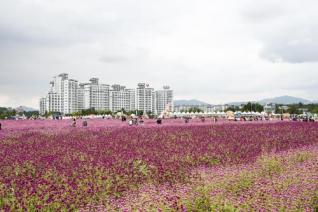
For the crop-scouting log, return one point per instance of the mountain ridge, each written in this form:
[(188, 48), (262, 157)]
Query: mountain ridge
[(189, 102), (285, 100), (25, 109), (277, 100)]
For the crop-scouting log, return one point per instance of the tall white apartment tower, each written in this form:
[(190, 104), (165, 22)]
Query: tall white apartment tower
[(62, 95), (42, 106), (164, 100), (122, 98), (145, 98), (80, 97), (54, 101), (69, 96), (93, 95)]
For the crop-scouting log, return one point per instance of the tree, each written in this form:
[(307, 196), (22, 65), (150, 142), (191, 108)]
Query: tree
[(33, 114), (136, 112), (104, 112), (294, 109), (252, 107), (6, 113), (277, 109), (90, 111), (192, 110)]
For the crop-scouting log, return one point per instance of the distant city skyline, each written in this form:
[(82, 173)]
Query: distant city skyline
[(213, 51), (67, 95)]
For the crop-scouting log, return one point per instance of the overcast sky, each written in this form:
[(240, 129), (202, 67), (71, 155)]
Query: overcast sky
[(215, 51)]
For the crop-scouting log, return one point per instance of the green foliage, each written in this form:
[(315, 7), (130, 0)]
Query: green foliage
[(91, 111), (232, 108), (192, 110), (242, 182), (278, 109), (252, 107), (141, 167), (270, 165), (297, 108), (104, 112), (203, 201), (138, 112), (293, 109), (315, 201), (301, 157), (6, 113), (209, 160)]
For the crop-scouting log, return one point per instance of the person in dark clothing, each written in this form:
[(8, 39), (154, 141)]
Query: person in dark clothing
[(0, 126), (74, 123), (84, 123), (159, 121), (141, 121)]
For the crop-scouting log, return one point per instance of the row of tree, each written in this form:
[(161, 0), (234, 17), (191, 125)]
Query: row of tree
[(7, 113), (191, 110), (299, 108), (247, 107), (279, 108)]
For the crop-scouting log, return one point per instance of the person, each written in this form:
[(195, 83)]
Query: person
[(123, 118), (141, 121), (74, 123), (186, 120), (135, 121), (159, 121), (130, 123), (84, 123), (0, 126)]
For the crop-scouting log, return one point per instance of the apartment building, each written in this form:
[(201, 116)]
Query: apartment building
[(164, 100), (122, 98)]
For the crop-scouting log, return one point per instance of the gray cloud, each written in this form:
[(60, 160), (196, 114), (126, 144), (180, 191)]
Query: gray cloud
[(262, 11), (292, 52), (296, 44), (287, 29), (113, 59)]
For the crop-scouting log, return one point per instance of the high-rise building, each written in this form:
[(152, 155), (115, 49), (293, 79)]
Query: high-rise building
[(62, 95), (145, 98), (80, 97), (53, 102), (69, 96), (93, 95), (43, 106), (122, 98), (164, 100)]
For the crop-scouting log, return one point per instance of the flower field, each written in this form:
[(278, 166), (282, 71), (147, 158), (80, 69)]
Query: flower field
[(109, 166)]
